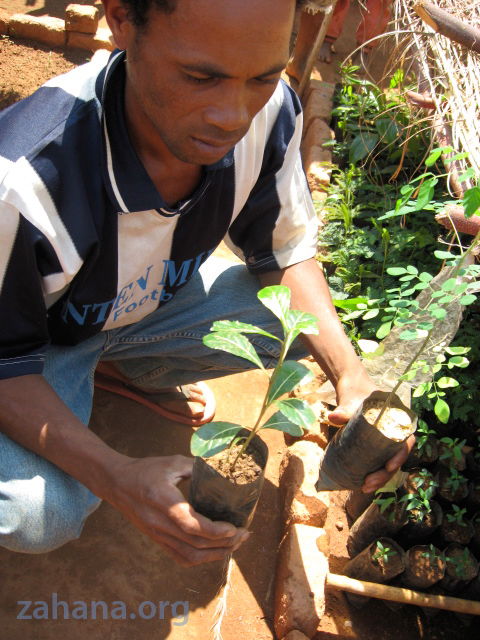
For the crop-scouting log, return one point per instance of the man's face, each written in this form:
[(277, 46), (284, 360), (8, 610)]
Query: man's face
[(198, 76)]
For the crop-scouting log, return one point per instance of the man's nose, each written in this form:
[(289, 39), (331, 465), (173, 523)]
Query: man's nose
[(230, 112)]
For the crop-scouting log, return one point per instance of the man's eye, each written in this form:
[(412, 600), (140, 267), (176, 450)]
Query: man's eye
[(195, 80)]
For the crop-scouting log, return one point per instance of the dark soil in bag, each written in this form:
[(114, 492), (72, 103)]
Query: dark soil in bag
[(447, 495), (419, 478), (359, 448), (371, 567), (230, 499), (449, 532), (422, 568), (418, 528), (357, 502), (460, 464), (372, 525), (454, 580)]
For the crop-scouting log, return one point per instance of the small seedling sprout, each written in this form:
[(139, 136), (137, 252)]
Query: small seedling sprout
[(452, 450), (460, 563), (385, 502), (455, 479), (457, 515), (383, 552)]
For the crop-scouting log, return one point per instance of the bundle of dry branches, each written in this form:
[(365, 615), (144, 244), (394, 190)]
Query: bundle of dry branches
[(450, 73)]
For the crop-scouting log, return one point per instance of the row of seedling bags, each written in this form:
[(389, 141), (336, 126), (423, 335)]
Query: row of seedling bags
[(425, 535)]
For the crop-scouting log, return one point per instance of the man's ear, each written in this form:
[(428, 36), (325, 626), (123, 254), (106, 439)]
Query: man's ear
[(117, 19)]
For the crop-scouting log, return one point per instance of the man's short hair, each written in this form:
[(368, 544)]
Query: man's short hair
[(138, 9)]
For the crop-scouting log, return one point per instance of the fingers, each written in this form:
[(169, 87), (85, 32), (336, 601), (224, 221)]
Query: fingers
[(191, 557), (377, 479)]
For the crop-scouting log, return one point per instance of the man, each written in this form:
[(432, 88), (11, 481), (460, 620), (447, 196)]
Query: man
[(117, 184)]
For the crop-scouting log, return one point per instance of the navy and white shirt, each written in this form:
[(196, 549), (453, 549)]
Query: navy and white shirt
[(86, 241)]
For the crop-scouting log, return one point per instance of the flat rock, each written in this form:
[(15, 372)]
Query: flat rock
[(82, 18), (42, 29)]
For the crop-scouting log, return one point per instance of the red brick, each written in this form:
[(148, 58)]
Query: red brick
[(43, 29), (91, 41), (4, 20), (82, 18)]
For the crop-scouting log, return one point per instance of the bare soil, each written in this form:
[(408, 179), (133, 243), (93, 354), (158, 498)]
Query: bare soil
[(247, 468)]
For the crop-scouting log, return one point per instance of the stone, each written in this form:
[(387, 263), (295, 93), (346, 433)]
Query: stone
[(4, 20), (318, 105), (300, 582), (82, 18), (320, 85), (102, 39), (317, 134), (43, 29), (318, 167), (299, 469), (295, 635)]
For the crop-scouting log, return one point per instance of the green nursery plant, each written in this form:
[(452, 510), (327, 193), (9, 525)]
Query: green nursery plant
[(457, 515), (383, 553), (293, 415), (419, 503)]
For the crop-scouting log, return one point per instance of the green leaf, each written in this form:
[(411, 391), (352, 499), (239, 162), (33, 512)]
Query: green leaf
[(468, 299), (459, 361), (425, 277), (291, 375), (351, 303), (409, 334), (445, 383), (297, 411), (449, 284), (396, 271), (413, 270), (213, 437), (471, 201), (235, 343), (468, 175), (422, 388), (442, 410), (372, 313), (277, 299), (384, 330), (361, 146), (281, 423), (443, 255), (457, 351), (425, 193), (226, 326), (433, 157), (440, 314), (425, 326), (299, 322)]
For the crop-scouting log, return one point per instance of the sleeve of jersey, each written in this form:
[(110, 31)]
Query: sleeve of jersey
[(278, 225), (23, 317)]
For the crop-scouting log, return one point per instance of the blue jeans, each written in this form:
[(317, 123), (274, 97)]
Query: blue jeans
[(42, 507)]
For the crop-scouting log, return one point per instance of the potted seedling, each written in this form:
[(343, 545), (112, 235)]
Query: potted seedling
[(425, 451), (424, 566), (462, 567), (455, 527), (419, 478), (450, 453), (380, 562), (385, 516), (367, 442), (230, 459), (452, 487), (424, 516)]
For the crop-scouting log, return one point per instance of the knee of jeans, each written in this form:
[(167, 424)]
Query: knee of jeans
[(32, 521)]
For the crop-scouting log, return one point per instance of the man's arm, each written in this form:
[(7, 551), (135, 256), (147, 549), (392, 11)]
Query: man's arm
[(333, 351), (144, 490)]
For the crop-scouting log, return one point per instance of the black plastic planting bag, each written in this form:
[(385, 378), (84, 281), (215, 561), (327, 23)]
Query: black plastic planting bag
[(359, 449), (218, 498)]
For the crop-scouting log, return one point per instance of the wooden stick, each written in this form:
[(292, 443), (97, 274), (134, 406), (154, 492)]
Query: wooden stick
[(396, 594), (447, 25), (312, 58)]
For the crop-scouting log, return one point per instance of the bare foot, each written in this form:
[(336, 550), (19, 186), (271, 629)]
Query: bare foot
[(190, 404), (295, 72), (325, 53)]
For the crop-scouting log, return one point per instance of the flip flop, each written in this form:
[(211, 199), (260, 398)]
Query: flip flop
[(148, 399)]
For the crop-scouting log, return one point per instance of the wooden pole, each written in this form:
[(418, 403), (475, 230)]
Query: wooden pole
[(406, 596), (447, 25), (312, 58)]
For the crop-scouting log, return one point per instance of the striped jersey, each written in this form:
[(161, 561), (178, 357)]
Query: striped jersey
[(86, 241)]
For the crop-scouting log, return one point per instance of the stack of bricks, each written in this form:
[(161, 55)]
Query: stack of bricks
[(78, 30), (302, 562)]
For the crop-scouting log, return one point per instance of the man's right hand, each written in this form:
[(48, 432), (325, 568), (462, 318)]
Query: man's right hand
[(145, 491)]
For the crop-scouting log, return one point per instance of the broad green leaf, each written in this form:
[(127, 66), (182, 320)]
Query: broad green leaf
[(446, 382), (396, 271), (213, 437), (291, 375), (442, 410), (422, 388), (471, 201), (468, 299), (425, 277), (303, 322), (461, 288), (372, 313), (446, 299), (297, 411), (409, 334), (433, 157), (384, 330), (277, 299), (425, 326), (235, 343), (459, 361), (226, 326), (351, 303), (361, 146), (449, 284), (413, 270), (457, 351), (399, 304), (440, 314), (468, 175), (281, 423), (425, 193), (443, 255)]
